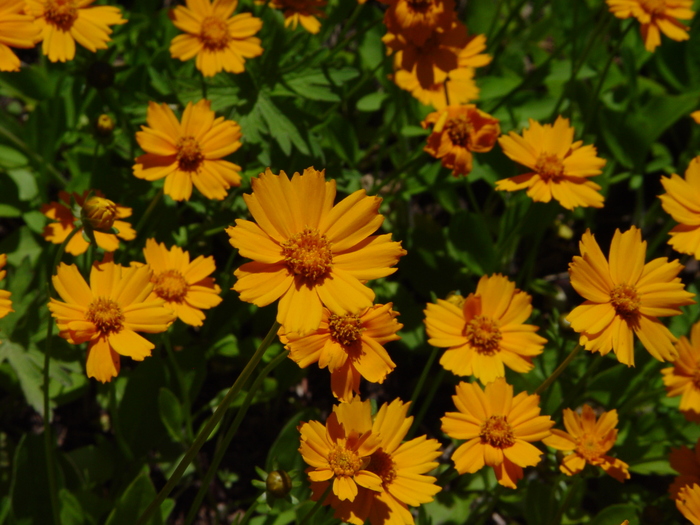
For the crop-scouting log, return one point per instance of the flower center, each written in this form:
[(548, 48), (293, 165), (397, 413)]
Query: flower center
[(214, 33), (189, 154), (483, 335), (344, 462), (549, 167), (60, 13), (170, 285), (589, 447), (496, 431), (459, 129), (655, 7), (308, 254), (345, 329), (625, 300), (383, 466), (106, 315)]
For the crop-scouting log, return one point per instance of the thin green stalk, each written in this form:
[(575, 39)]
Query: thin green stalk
[(248, 513), (210, 425), (317, 506), (421, 380), (144, 218), (547, 382), (427, 402), (580, 385), (470, 195), (511, 16), (184, 391)]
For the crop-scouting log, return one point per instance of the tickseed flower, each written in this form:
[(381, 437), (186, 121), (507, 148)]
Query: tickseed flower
[(683, 378), (16, 30), (302, 12), (682, 202), (65, 22), (99, 213), (590, 440), (696, 116), (108, 313), (656, 17), (60, 211), (218, 40), (687, 463), (688, 503), (189, 152), (624, 297), (459, 84), (457, 132), (560, 167), (417, 20), (307, 252), (485, 331), (499, 430), (5, 302), (350, 346)]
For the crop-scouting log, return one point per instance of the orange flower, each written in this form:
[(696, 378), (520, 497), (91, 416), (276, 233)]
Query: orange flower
[(688, 503), (682, 202), (461, 87), (687, 463), (696, 116), (416, 21), (590, 441), (16, 30), (683, 378), (5, 302), (302, 12)]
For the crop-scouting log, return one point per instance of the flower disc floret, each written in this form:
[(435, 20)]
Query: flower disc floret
[(61, 13), (214, 34), (308, 254), (106, 315)]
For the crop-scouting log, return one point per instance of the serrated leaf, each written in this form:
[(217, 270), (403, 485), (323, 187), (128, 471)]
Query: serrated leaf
[(281, 128)]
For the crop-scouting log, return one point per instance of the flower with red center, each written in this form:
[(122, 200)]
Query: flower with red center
[(417, 20), (682, 202), (498, 429), (589, 440), (624, 297), (5, 301), (687, 463), (688, 503), (16, 30), (683, 378), (302, 12)]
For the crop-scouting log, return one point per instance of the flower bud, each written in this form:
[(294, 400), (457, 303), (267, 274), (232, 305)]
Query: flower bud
[(99, 213), (278, 483), (104, 125)]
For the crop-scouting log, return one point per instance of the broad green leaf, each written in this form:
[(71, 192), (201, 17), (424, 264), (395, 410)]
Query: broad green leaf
[(170, 412), (280, 127), (616, 514), (134, 500)]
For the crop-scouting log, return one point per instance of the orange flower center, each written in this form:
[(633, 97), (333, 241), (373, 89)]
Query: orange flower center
[(170, 285), (214, 33), (655, 7), (61, 13), (308, 254), (497, 432), (625, 300), (345, 329), (344, 462), (484, 335), (189, 154), (549, 167), (106, 315), (459, 129), (589, 447), (383, 466)]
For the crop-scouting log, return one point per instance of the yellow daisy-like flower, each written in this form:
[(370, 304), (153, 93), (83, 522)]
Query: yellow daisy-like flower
[(65, 22), (625, 297), (5, 301), (688, 503), (590, 440), (218, 40), (307, 252), (108, 313), (417, 21), (302, 12), (189, 152), (60, 212), (560, 167), (499, 430), (350, 346), (682, 202), (459, 83), (656, 17), (683, 378), (687, 463), (16, 30), (485, 331)]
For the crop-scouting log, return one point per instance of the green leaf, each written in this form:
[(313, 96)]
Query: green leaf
[(371, 102), (616, 514), (70, 510), (469, 242), (27, 365), (281, 128), (131, 504), (171, 413)]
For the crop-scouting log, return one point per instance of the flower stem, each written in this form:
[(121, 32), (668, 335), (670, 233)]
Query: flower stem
[(421, 380), (547, 382), (184, 391), (426, 402)]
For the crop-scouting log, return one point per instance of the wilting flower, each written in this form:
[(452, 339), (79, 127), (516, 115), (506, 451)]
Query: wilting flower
[(682, 202), (349, 345), (624, 297), (687, 463), (457, 132), (65, 22), (218, 40), (682, 379), (656, 17), (5, 302), (16, 30), (589, 440), (485, 331), (302, 12), (60, 211), (417, 21), (189, 152), (108, 313), (307, 252), (499, 430), (560, 167), (688, 503)]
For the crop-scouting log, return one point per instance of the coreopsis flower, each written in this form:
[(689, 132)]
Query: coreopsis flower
[(486, 331), (589, 440), (99, 213), (108, 313), (302, 12), (656, 17), (189, 152), (458, 83), (682, 378), (307, 252), (681, 202), (418, 20), (457, 132), (65, 22), (687, 463), (65, 222), (499, 430), (350, 345), (624, 297), (560, 167), (16, 30), (688, 503), (218, 40), (696, 116), (5, 301)]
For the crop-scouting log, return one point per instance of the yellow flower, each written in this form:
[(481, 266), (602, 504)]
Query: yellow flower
[(184, 285), (486, 331), (60, 211), (499, 430), (590, 441), (302, 12), (349, 345), (16, 30), (683, 378), (65, 22), (5, 302), (560, 167), (625, 297), (189, 152), (696, 116), (108, 313), (687, 463), (417, 21), (688, 503), (307, 252), (682, 202), (218, 40), (459, 84), (99, 213), (656, 17)]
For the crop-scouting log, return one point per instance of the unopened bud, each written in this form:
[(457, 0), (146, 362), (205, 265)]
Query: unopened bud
[(104, 126), (278, 483), (99, 213)]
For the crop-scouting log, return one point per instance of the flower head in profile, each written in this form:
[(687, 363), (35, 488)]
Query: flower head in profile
[(218, 40), (304, 12), (64, 222), (65, 22), (485, 332), (559, 166), (683, 378), (498, 429), (656, 17), (589, 441), (190, 152), (16, 30), (624, 297), (417, 21), (682, 202), (350, 345), (307, 252), (688, 503), (108, 313), (687, 463), (5, 301)]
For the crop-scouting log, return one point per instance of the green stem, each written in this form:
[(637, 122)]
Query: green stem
[(421, 380), (470, 195), (579, 386), (210, 425), (567, 500), (427, 402), (547, 382), (317, 506), (142, 221), (184, 391), (248, 513)]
